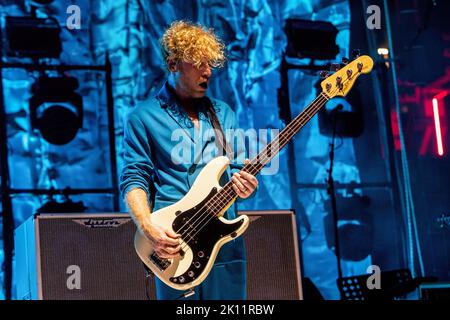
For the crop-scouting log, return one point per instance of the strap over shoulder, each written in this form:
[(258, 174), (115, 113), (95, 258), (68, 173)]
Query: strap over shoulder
[(220, 136)]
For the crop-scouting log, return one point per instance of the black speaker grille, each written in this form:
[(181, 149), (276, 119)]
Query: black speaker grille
[(109, 266), (271, 258)]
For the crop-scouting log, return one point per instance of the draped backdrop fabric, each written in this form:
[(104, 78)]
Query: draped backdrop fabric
[(128, 31)]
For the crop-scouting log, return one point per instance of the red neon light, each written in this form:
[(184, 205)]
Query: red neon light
[(437, 126), (395, 130)]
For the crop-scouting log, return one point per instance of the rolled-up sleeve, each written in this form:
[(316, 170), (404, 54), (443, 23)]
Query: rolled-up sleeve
[(138, 168)]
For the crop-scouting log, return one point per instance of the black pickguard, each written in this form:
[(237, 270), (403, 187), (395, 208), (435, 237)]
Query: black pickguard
[(200, 229)]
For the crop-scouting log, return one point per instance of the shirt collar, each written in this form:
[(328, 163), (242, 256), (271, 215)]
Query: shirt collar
[(165, 97)]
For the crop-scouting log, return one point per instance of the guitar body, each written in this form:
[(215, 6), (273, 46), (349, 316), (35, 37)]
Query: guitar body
[(206, 232)]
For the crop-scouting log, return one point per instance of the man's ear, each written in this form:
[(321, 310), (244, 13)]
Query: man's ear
[(172, 65)]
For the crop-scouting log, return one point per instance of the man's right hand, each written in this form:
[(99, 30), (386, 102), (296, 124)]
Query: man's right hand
[(166, 242)]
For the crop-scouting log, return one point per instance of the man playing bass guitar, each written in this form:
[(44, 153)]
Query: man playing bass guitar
[(155, 174)]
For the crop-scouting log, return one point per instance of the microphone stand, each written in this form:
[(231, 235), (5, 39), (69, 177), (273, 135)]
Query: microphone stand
[(331, 192)]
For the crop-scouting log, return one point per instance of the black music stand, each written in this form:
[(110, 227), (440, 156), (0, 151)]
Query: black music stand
[(394, 284)]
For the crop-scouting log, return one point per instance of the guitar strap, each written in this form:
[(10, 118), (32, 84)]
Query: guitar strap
[(221, 141)]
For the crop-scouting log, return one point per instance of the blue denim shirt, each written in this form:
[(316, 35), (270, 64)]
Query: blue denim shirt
[(164, 153)]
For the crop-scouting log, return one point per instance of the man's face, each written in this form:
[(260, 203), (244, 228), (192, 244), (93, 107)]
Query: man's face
[(190, 81)]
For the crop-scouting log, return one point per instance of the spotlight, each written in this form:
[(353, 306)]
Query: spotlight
[(56, 110), (33, 37), (311, 39)]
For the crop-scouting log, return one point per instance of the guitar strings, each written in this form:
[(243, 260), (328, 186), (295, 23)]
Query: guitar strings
[(258, 160), (298, 122), (225, 190)]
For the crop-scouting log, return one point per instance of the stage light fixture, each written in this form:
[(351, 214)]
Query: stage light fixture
[(66, 206), (56, 110), (349, 119), (311, 39), (33, 37), (354, 225), (349, 122)]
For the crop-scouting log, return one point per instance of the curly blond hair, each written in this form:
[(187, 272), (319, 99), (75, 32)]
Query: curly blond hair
[(192, 43)]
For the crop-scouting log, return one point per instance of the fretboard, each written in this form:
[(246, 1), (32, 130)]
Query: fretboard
[(227, 194)]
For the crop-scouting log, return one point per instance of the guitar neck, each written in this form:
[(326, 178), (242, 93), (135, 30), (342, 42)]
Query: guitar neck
[(274, 147), (227, 194), (337, 84)]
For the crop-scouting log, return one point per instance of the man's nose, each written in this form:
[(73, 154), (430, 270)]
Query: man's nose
[(206, 72)]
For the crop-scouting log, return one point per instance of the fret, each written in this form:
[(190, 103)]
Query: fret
[(227, 194)]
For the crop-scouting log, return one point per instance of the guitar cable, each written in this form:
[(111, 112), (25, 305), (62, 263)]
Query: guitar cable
[(187, 294), (149, 276)]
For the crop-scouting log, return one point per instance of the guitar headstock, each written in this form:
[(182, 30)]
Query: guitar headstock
[(340, 83)]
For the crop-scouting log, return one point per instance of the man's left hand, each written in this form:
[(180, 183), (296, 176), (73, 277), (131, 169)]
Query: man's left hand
[(244, 183)]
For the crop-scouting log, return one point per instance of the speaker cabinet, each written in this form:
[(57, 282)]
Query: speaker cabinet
[(434, 291), (92, 256), (273, 265), (78, 256)]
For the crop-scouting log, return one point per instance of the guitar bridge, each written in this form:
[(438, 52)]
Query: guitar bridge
[(161, 263)]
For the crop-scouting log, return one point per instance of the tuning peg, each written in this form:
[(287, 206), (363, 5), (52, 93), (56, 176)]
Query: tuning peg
[(356, 53), (359, 66), (323, 74), (339, 84), (344, 61), (349, 73), (335, 67)]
